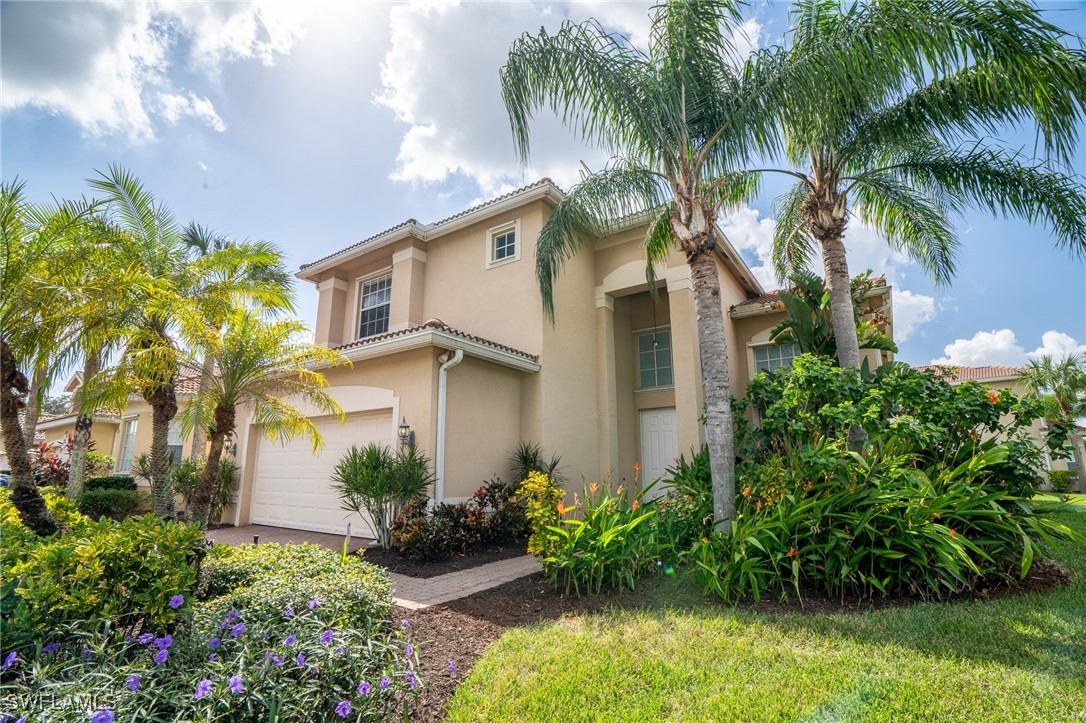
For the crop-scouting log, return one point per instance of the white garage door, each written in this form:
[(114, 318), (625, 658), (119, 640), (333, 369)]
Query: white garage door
[(293, 486)]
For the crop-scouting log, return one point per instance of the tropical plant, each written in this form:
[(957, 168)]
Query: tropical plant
[(377, 480), (685, 513), (98, 464), (1064, 381), (885, 106), (543, 502), (809, 323), (186, 478), (681, 120), (115, 504), (261, 363), (1062, 480), (529, 457)]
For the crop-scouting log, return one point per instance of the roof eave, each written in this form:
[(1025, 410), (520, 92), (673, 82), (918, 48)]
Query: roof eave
[(441, 339)]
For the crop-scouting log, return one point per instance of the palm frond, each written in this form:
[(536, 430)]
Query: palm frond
[(792, 242)]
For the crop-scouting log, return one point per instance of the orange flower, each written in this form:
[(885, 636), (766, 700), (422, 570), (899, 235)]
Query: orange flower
[(791, 553), (810, 485), (637, 467), (746, 491), (635, 505), (953, 533), (593, 487), (993, 397), (760, 504), (561, 507)]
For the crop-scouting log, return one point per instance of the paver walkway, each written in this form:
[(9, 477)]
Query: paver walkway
[(413, 593)]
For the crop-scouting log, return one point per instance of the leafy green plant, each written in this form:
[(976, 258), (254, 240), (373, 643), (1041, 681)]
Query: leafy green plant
[(186, 478), (685, 513), (1062, 481), (507, 519), (528, 457), (99, 464), (543, 507), (226, 485), (610, 545), (379, 481), (111, 482), (115, 504)]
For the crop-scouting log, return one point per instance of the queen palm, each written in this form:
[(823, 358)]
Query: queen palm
[(679, 118), (262, 363), (900, 139)]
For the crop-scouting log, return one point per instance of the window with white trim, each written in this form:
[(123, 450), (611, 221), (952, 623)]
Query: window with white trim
[(175, 443), (376, 304), (654, 367), (770, 357), (503, 244), (128, 445)]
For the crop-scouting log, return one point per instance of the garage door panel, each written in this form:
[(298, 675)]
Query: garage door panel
[(293, 485)]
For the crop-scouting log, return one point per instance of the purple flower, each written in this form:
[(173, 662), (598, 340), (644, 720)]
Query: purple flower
[(51, 648), (409, 650), (10, 660), (410, 678), (326, 637), (87, 654), (214, 643), (224, 625), (341, 650), (300, 660), (290, 640), (404, 624), (145, 638), (211, 658), (177, 601), (385, 682), (21, 720), (236, 685), (343, 709), (289, 612), (363, 688), (452, 667), (232, 615), (162, 656), (278, 660), (264, 637), (164, 642), (238, 630), (267, 655), (202, 689), (102, 715), (314, 603), (133, 682)]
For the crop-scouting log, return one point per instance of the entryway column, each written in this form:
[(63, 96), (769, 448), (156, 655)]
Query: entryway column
[(606, 389), (689, 394)]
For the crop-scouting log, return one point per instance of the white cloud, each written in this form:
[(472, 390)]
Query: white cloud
[(1001, 347), (910, 312), (108, 66)]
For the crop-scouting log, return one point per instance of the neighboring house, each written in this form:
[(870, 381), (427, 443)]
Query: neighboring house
[(446, 332), (998, 378)]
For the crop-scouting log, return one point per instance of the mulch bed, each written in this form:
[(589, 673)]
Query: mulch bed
[(461, 630), (473, 557)]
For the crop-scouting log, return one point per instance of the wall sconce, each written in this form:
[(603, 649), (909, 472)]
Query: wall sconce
[(407, 436)]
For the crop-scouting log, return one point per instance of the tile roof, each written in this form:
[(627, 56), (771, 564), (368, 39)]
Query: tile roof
[(772, 297), (110, 413), (971, 374), (439, 325), (426, 227)]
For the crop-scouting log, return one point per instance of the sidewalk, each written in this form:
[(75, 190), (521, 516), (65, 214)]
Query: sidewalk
[(416, 593)]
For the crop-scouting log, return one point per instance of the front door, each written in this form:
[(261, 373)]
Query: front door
[(659, 447)]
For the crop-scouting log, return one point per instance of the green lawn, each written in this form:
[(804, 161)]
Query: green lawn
[(1020, 659)]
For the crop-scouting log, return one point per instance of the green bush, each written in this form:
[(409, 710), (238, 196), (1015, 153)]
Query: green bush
[(122, 572), (610, 545), (98, 464), (185, 478), (541, 498), (685, 513), (379, 481), (111, 482), (267, 580), (1062, 481), (226, 485), (528, 457), (112, 503)]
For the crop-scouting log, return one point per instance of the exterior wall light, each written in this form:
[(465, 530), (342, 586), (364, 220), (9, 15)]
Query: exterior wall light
[(407, 436)]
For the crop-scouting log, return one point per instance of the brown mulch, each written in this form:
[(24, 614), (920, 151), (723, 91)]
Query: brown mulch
[(461, 630), (473, 557)]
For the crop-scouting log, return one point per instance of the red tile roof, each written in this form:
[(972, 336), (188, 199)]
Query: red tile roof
[(971, 374), (363, 242), (441, 326)]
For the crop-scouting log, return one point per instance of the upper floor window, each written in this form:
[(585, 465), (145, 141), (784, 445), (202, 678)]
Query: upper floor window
[(376, 301), (770, 357), (654, 366), (503, 244)]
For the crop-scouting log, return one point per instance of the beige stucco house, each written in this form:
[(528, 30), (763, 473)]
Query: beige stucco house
[(444, 326)]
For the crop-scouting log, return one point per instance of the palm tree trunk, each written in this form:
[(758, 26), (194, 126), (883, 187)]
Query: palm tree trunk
[(225, 419), (839, 282), (163, 401), (33, 407), (77, 466), (24, 492), (713, 345), (199, 435)]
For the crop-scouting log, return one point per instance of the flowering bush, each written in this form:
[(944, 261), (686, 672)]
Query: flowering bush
[(541, 497)]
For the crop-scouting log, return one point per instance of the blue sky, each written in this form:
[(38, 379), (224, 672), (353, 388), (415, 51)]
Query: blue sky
[(315, 125)]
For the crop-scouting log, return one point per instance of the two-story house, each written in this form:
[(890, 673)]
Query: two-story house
[(445, 328)]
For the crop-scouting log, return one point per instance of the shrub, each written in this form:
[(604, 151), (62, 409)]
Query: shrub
[(541, 498), (122, 572), (381, 482), (528, 457), (226, 485), (99, 464), (610, 545), (111, 482), (113, 503), (685, 513), (507, 520), (1062, 481), (185, 478)]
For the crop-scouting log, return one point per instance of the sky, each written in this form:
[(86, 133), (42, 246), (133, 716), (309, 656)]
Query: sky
[(314, 125)]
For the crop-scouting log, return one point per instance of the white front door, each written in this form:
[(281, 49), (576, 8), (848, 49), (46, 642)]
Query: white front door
[(659, 447)]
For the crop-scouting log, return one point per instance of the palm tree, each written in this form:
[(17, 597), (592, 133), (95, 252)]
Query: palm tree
[(679, 119), (900, 137), (1063, 379), (259, 361)]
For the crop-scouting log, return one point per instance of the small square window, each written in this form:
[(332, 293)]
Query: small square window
[(503, 244), (654, 368)]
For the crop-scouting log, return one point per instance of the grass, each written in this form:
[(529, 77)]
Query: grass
[(681, 659)]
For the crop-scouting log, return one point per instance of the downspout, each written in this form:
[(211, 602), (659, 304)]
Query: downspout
[(442, 387)]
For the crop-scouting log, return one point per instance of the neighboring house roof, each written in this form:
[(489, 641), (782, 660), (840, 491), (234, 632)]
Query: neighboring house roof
[(773, 297), (424, 334), (957, 374)]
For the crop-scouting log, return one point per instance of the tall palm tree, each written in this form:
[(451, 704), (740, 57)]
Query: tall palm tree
[(1065, 380), (679, 118), (901, 138), (260, 361)]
